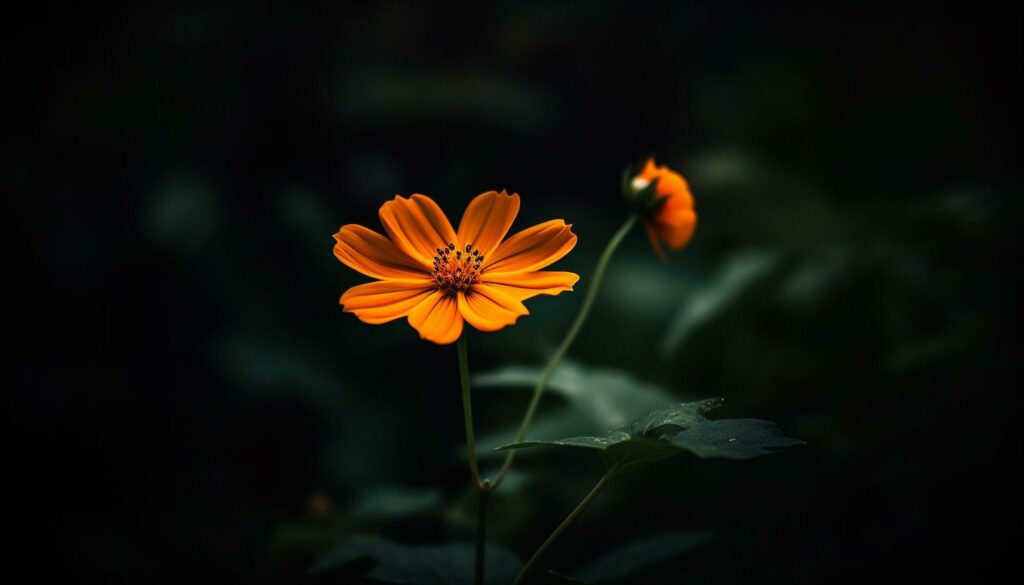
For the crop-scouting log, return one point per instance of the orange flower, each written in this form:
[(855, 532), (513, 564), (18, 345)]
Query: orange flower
[(437, 277), (670, 216)]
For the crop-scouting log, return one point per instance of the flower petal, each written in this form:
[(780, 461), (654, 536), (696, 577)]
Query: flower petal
[(417, 226), (437, 318), (652, 235), (374, 255), (650, 170), (524, 285), (677, 236), (672, 184), (489, 309), (385, 300), (676, 221), (487, 219), (533, 248)]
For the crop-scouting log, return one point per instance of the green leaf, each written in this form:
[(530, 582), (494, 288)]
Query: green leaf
[(628, 560), (448, 564), (595, 398), (734, 438), (670, 431)]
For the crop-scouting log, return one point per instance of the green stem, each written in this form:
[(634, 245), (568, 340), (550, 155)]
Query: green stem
[(556, 358), (561, 528), (481, 533), (467, 410), (482, 486)]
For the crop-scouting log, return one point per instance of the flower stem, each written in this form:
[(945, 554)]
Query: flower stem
[(483, 487), (556, 358), (561, 528), (481, 532), (467, 410)]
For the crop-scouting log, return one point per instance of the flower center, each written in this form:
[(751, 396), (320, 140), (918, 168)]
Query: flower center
[(456, 271)]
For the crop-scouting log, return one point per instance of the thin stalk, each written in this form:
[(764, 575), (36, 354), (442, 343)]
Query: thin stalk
[(483, 486), (556, 358), (467, 410), (561, 528), (481, 533)]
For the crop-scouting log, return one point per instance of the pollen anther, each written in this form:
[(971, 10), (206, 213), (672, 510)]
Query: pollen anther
[(455, 274)]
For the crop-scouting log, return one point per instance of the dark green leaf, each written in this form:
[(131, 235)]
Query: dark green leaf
[(734, 438), (596, 398), (448, 564), (674, 418), (683, 427)]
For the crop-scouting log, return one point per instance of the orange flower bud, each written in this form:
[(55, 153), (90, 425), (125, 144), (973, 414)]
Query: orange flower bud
[(662, 197)]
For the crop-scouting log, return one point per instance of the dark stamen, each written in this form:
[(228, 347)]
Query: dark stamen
[(455, 273)]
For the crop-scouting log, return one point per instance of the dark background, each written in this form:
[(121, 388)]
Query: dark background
[(184, 397)]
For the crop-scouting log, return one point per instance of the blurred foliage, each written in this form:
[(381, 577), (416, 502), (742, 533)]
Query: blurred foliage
[(187, 398)]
